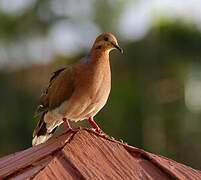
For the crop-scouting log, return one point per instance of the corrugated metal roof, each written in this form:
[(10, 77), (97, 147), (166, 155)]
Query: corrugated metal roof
[(87, 155)]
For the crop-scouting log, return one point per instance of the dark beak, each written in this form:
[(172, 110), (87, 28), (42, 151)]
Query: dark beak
[(118, 48)]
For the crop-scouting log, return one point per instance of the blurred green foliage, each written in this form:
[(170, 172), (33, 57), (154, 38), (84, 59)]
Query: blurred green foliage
[(147, 105)]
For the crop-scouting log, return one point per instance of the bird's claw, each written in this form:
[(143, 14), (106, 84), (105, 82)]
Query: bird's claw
[(112, 138)]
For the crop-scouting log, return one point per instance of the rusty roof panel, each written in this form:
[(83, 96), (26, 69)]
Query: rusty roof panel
[(32, 170), (87, 155), (59, 168), (97, 157), (21, 160)]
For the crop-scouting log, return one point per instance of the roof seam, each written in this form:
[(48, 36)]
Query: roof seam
[(57, 150), (22, 169), (156, 164), (68, 160), (73, 166), (146, 156)]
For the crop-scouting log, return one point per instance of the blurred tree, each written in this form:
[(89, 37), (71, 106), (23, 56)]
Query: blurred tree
[(147, 107)]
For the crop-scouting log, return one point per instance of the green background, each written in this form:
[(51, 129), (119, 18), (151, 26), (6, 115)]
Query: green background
[(155, 102)]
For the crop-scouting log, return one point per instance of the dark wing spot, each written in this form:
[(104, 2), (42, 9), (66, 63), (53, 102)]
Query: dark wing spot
[(99, 47), (56, 73), (106, 39)]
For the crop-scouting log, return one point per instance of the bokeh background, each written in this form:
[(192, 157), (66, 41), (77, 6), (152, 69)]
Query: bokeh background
[(155, 103)]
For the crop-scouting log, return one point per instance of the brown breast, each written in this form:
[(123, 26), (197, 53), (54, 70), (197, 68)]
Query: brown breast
[(92, 86)]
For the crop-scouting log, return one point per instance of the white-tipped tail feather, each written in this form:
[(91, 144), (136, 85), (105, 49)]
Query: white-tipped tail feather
[(45, 128), (40, 139), (41, 133)]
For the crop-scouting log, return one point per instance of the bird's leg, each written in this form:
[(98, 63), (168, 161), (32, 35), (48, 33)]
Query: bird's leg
[(94, 125), (67, 124)]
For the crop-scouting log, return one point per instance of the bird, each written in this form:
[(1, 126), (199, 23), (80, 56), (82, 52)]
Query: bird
[(78, 91)]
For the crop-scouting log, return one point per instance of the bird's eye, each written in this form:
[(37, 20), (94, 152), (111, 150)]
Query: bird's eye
[(106, 38)]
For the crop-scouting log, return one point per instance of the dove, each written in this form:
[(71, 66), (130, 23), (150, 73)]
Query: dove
[(77, 92)]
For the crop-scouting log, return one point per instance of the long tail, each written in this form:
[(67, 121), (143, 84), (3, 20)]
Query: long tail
[(41, 134)]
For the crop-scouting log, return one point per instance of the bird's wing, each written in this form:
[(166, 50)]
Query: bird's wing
[(60, 88)]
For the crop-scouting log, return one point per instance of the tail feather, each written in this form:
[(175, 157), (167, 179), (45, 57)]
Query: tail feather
[(41, 139), (41, 134)]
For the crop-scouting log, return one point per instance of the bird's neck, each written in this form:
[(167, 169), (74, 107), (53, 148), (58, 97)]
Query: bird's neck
[(99, 66), (99, 57)]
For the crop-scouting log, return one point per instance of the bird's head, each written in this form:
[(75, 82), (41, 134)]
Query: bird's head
[(106, 42)]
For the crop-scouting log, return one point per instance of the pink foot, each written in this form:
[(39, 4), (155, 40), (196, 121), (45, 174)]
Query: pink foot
[(95, 126), (67, 125)]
